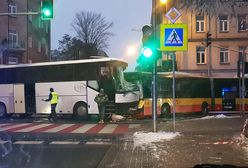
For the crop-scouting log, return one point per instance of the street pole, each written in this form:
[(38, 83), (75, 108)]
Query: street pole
[(174, 90), (154, 71), (243, 83)]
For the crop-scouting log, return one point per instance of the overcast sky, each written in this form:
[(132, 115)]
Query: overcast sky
[(128, 16)]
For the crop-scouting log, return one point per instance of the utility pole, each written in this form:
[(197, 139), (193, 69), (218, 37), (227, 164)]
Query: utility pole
[(154, 71), (243, 83)]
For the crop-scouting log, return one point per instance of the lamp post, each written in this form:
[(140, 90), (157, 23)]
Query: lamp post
[(154, 71)]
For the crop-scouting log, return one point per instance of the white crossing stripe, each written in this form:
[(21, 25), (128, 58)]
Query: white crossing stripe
[(59, 128), (13, 126), (33, 128), (133, 126), (4, 124), (108, 129), (84, 128), (98, 143), (28, 142), (3, 142), (64, 143)]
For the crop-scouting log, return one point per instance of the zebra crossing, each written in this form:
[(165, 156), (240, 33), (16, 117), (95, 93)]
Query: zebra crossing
[(67, 128)]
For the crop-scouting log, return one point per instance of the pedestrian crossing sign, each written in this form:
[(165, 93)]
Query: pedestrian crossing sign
[(174, 37)]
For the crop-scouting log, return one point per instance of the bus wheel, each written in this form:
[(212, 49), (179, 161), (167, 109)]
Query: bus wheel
[(204, 108), (80, 111), (3, 112), (165, 110)]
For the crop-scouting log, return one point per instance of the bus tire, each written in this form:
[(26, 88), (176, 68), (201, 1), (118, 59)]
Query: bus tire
[(204, 108), (3, 112), (80, 111), (165, 110)]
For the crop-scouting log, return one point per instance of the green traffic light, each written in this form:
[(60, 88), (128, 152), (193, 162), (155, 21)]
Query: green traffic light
[(147, 52), (47, 12), (46, 9)]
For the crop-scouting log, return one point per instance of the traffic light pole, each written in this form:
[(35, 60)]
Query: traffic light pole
[(154, 71)]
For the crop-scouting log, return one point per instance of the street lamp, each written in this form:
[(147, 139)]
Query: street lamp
[(163, 1)]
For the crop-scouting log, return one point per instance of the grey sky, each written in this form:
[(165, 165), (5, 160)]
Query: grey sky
[(126, 15)]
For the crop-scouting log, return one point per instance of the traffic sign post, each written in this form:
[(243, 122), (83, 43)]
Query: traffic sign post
[(174, 37)]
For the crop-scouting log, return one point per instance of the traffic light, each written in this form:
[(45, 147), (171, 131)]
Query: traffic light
[(46, 9), (148, 49), (208, 39)]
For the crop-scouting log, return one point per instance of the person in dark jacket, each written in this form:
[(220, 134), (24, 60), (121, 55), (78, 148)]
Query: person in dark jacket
[(53, 98), (101, 100)]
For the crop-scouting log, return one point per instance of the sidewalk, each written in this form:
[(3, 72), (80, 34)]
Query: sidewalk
[(196, 145)]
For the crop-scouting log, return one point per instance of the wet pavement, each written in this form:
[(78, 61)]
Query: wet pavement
[(214, 142)]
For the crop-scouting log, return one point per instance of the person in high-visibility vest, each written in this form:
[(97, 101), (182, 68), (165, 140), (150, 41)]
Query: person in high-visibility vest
[(53, 98)]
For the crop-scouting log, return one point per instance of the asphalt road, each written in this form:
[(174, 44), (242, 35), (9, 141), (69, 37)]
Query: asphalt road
[(53, 155), (28, 143)]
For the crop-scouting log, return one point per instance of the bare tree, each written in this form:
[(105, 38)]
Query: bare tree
[(93, 29)]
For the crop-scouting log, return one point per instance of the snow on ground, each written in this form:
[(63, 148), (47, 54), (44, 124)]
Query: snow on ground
[(149, 140), (215, 116)]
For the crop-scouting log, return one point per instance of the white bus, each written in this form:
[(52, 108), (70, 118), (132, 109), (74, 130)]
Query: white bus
[(23, 86)]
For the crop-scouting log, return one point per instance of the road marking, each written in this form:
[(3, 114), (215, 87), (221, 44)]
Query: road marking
[(14, 126), (64, 143), (68, 128), (217, 143), (96, 129), (84, 128), (71, 128), (2, 125), (98, 143), (3, 142), (121, 128), (45, 128), (29, 129), (58, 128), (28, 142), (108, 129)]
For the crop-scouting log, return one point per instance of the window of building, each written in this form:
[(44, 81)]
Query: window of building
[(242, 23), (224, 56), (200, 24), (13, 39), (40, 23), (39, 46), (30, 17), (46, 50), (224, 23), (242, 51), (30, 42), (47, 28), (200, 55), (12, 8), (12, 60)]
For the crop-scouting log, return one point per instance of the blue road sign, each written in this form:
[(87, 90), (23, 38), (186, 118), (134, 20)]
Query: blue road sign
[(174, 37)]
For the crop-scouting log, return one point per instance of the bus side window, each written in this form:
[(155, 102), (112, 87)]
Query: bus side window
[(93, 84)]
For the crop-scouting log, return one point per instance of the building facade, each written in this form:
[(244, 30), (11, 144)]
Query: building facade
[(23, 38), (229, 36)]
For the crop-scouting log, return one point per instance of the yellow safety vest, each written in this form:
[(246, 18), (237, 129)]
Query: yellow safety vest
[(55, 98)]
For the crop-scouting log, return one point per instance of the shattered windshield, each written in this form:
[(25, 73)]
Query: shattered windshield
[(121, 84)]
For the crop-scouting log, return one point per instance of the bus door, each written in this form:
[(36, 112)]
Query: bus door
[(19, 98), (228, 98)]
